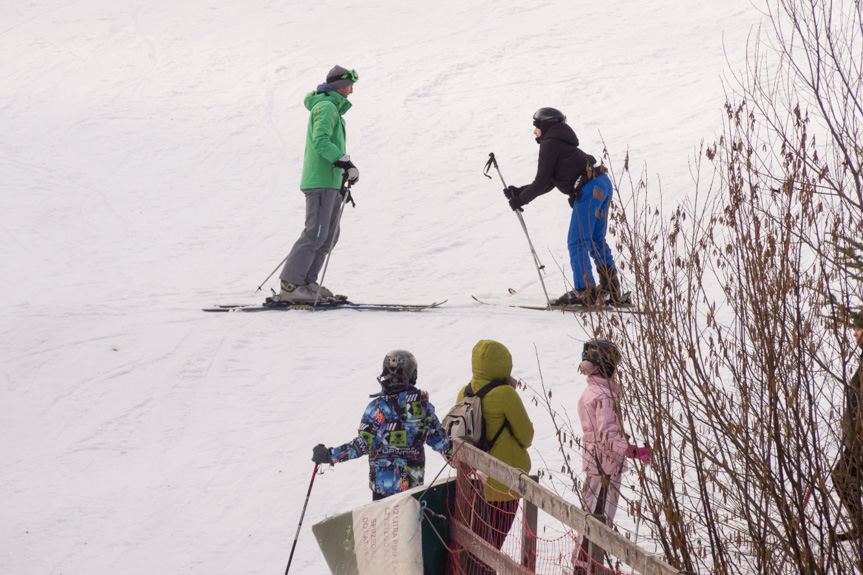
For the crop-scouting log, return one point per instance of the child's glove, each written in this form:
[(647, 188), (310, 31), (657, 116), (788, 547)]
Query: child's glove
[(642, 453), (321, 455), (449, 453)]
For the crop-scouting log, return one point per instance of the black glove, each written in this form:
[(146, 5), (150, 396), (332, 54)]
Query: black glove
[(511, 191), (346, 164), (516, 203), (321, 454)]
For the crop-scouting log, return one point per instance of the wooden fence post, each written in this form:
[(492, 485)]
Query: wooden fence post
[(528, 533), (597, 553)]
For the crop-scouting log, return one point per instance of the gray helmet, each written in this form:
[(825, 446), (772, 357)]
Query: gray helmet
[(400, 367), (603, 354), (544, 117)]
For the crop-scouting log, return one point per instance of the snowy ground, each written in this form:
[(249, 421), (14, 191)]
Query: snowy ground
[(149, 166)]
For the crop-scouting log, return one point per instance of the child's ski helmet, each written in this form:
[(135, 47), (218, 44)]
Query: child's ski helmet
[(400, 370), (603, 354)]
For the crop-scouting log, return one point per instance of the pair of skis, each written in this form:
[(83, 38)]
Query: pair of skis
[(330, 305), (324, 306)]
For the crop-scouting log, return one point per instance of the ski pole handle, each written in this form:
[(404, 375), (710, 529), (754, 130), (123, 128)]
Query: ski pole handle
[(492, 161)]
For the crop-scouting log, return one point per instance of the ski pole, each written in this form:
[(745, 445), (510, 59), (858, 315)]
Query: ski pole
[(345, 191), (306, 504), (284, 259), (271, 274), (492, 161)]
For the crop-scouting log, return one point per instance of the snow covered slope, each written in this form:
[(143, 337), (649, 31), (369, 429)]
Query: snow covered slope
[(149, 166)]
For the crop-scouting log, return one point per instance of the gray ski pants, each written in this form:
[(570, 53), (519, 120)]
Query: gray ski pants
[(310, 250)]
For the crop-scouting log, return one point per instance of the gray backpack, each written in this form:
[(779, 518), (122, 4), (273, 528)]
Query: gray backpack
[(465, 421)]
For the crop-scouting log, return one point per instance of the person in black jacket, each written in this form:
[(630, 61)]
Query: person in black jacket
[(562, 164), (848, 472)]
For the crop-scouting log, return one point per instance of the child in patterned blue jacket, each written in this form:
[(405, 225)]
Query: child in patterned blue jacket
[(393, 430)]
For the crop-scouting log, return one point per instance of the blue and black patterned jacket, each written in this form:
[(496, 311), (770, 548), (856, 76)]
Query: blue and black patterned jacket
[(393, 431)]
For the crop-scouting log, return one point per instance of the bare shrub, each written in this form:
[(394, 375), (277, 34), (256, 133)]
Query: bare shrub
[(736, 373)]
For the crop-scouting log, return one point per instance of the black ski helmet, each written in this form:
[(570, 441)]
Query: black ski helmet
[(545, 117), (603, 354), (400, 370)]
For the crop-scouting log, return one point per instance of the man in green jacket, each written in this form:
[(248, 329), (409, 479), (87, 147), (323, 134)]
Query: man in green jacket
[(501, 408), (324, 165)]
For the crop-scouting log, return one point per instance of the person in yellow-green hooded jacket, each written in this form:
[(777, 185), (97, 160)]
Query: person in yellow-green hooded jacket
[(501, 408)]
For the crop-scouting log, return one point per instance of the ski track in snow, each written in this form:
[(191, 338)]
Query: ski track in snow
[(150, 167)]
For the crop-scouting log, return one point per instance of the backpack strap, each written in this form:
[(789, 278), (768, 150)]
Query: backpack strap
[(499, 431), (482, 393), (488, 387)]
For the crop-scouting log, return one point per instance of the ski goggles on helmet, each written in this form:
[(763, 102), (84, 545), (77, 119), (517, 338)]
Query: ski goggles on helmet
[(351, 75)]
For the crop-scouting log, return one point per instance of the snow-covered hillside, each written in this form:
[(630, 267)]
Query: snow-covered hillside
[(149, 166)]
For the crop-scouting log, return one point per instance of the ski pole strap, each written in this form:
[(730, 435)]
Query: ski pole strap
[(346, 189), (491, 161)]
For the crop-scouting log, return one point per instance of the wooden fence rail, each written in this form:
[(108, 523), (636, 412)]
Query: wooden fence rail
[(596, 531)]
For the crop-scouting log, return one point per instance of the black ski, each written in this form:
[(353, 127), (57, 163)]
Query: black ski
[(323, 306), (629, 308)]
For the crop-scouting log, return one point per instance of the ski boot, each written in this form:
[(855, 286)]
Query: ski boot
[(588, 297), (297, 295), (609, 287)]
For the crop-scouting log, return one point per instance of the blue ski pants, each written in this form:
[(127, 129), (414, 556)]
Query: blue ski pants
[(587, 231)]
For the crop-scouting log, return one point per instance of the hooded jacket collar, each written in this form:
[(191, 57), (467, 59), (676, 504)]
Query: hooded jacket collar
[(599, 381), (562, 132), (341, 103)]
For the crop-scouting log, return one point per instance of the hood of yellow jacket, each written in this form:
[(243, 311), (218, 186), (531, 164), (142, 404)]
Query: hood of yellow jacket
[(490, 360)]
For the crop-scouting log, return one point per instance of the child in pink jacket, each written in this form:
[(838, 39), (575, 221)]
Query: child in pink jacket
[(605, 446)]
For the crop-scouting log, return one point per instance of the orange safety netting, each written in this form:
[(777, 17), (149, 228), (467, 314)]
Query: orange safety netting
[(491, 511)]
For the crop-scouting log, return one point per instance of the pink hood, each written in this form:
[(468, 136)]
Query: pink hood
[(604, 441)]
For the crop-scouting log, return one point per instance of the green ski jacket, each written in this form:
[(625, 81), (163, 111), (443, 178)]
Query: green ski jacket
[(325, 140)]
